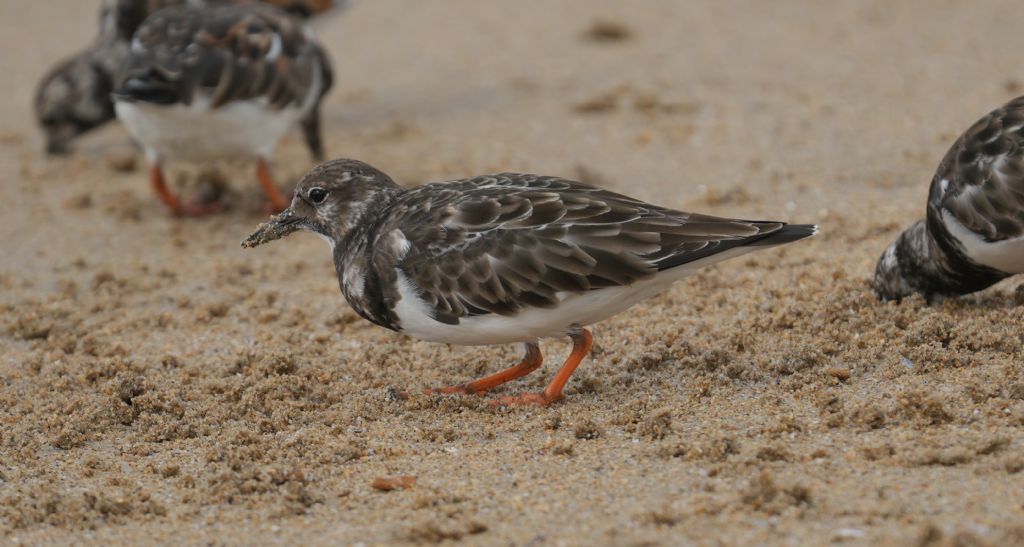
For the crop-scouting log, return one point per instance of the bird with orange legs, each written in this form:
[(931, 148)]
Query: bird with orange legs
[(225, 82), (73, 97), (506, 258)]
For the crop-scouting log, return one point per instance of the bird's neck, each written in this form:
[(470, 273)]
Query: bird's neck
[(358, 274)]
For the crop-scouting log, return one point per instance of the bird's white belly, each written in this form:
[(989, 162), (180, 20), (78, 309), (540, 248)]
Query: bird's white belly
[(573, 310), (1005, 256), (197, 133)]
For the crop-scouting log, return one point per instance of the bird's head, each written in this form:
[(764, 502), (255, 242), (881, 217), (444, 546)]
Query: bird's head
[(892, 280), (73, 99), (330, 201)]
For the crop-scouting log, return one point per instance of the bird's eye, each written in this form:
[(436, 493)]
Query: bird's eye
[(317, 195)]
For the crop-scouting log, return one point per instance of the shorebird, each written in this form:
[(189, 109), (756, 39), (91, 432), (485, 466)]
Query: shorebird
[(73, 97), (972, 235), (504, 258), (224, 82)]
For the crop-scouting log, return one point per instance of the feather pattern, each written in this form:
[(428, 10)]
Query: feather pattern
[(503, 258), (973, 232), (75, 96), (981, 179), (498, 244), (128, 15), (230, 53)]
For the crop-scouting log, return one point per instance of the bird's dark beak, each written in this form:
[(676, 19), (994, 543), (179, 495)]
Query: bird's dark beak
[(275, 228)]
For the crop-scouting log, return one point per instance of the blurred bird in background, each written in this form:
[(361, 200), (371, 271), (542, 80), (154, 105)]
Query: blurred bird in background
[(74, 96), (205, 83), (972, 235)]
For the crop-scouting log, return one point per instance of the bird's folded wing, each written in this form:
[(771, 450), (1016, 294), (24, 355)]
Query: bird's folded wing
[(500, 243), (981, 179), (228, 53), (123, 17)]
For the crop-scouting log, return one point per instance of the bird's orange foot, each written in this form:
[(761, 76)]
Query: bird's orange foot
[(179, 209), (527, 399)]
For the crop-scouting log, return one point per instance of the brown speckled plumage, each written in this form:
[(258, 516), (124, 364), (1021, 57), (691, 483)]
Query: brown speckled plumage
[(74, 96), (228, 53), (497, 244), (504, 258), (980, 184), (502, 243)]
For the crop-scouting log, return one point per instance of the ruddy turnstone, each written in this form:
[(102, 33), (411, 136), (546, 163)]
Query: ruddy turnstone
[(223, 82), (74, 96), (972, 235), (504, 258)]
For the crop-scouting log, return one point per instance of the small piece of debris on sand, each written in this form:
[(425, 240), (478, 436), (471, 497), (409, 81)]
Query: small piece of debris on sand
[(605, 30), (387, 484)]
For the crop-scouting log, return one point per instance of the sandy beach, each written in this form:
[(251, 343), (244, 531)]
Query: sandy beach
[(160, 384)]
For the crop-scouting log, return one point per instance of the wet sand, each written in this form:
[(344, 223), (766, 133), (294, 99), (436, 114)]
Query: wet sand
[(159, 383)]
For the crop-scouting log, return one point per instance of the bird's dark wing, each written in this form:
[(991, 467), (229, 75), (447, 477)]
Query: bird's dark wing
[(307, 8), (981, 179), (127, 15), (500, 243), (226, 52)]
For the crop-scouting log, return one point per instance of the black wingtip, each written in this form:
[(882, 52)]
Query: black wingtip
[(787, 234)]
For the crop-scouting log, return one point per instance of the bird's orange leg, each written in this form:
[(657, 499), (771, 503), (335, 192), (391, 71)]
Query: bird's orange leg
[(278, 202), (581, 342), (531, 362), (179, 209)]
